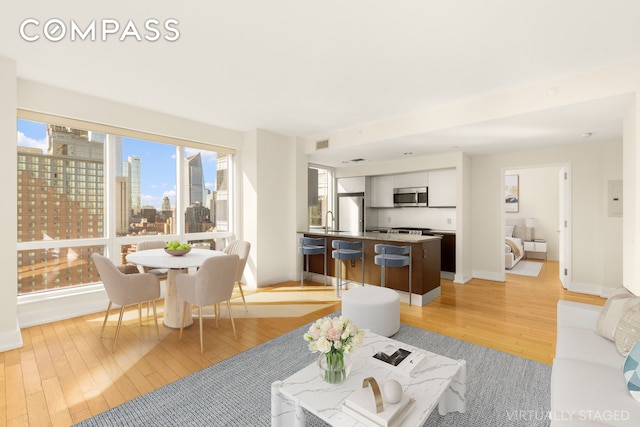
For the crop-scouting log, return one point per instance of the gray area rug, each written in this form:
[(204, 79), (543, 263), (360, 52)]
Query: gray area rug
[(502, 390)]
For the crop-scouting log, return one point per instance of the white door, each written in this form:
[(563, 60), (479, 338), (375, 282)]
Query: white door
[(564, 235)]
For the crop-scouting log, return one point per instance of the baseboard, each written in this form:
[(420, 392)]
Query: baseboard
[(591, 289), (462, 278), (447, 275), (11, 340), (32, 316), (61, 304), (488, 275)]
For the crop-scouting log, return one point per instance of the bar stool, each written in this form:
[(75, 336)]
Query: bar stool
[(393, 256), (312, 246), (346, 251)]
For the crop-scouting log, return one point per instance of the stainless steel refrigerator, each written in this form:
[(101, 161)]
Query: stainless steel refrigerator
[(351, 212)]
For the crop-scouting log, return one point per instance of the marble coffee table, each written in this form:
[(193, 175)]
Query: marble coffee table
[(439, 381)]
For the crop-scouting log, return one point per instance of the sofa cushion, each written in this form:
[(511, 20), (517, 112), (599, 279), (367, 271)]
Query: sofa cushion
[(577, 315), (583, 391), (611, 313), (587, 345), (628, 329)]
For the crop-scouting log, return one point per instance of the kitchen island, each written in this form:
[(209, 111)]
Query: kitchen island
[(425, 259)]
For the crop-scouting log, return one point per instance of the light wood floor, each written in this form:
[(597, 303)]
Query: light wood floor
[(66, 373)]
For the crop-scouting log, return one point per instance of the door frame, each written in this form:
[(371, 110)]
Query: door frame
[(564, 244)]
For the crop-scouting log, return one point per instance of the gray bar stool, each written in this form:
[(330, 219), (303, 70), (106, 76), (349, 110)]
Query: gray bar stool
[(312, 246), (346, 251), (393, 256)]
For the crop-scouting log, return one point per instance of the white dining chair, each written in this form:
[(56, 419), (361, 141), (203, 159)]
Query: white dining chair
[(126, 289), (210, 285), (153, 244), (240, 248), (161, 273)]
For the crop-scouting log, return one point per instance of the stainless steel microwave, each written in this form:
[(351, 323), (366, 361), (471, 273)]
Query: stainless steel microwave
[(411, 196)]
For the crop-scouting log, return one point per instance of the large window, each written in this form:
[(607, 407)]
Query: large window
[(81, 191), (320, 190)]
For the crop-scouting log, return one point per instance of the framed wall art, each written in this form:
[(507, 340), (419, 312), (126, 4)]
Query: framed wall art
[(511, 193)]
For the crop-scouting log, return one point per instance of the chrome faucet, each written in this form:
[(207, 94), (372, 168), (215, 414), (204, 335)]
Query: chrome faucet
[(326, 221)]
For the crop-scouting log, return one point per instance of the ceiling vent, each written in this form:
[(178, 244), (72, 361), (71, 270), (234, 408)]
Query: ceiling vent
[(322, 144)]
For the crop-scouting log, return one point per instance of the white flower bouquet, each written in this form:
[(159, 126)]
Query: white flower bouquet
[(334, 337)]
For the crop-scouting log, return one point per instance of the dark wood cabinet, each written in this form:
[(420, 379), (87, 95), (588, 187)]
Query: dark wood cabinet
[(448, 251), (425, 257)]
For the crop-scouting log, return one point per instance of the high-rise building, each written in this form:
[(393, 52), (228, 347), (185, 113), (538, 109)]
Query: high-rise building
[(132, 170), (221, 202), (123, 205), (195, 180), (166, 204), (102, 137), (60, 197), (197, 219)]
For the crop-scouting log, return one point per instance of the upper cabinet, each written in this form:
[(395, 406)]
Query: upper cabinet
[(441, 184), (351, 185), (381, 191), (442, 188), (412, 179)]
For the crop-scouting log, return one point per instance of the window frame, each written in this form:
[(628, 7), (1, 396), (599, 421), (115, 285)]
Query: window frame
[(110, 241), (331, 192)]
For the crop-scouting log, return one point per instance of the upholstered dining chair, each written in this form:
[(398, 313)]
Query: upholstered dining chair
[(153, 244), (240, 248), (161, 273), (126, 289), (210, 285)]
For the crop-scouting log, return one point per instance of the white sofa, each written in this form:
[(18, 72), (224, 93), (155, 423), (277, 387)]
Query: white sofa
[(587, 384)]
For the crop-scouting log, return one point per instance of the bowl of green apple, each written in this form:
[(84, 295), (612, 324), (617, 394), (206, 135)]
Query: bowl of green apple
[(177, 249)]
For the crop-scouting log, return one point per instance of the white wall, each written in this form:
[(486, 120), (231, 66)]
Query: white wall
[(588, 246), (434, 218), (269, 204), (10, 336), (612, 226), (631, 199), (52, 100)]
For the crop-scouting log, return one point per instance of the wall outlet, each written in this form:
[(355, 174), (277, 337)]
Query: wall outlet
[(448, 220), (388, 220)]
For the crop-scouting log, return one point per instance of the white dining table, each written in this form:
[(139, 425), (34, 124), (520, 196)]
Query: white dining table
[(158, 258)]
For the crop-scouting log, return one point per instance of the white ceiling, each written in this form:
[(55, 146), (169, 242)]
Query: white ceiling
[(303, 67)]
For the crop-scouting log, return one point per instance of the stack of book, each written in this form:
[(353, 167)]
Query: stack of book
[(361, 405), (401, 361)]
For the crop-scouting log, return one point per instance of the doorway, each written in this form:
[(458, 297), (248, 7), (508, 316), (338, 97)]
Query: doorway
[(537, 200)]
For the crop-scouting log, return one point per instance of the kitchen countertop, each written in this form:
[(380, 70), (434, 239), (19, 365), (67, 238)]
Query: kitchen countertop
[(374, 235), (431, 230)]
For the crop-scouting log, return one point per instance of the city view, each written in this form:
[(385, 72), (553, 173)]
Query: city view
[(62, 179)]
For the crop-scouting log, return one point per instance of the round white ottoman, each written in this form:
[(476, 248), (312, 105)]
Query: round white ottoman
[(373, 308)]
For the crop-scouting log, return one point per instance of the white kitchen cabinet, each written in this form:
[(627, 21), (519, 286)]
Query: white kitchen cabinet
[(381, 191), (411, 179), (354, 184), (442, 188)]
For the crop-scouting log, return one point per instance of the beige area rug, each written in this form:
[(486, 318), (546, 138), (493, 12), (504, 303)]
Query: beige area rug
[(526, 268)]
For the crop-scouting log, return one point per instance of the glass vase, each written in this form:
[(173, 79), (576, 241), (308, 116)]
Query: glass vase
[(334, 366)]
